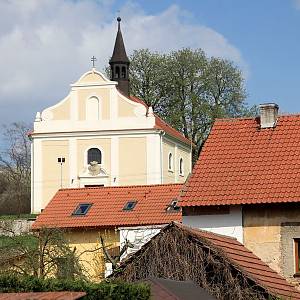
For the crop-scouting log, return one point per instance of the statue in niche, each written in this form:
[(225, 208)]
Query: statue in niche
[(94, 168)]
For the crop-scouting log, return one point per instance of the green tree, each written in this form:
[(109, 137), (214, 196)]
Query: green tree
[(189, 90), (147, 77)]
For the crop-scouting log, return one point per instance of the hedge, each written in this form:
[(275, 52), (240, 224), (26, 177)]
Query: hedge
[(106, 290)]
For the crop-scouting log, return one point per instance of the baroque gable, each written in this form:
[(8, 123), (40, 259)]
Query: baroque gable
[(94, 103)]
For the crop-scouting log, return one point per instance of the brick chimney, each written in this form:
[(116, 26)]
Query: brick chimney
[(268, 115)]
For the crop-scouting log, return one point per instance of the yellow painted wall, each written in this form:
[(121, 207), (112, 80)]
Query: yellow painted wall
[(185, 154), (132, 160), (92, 78), (169, 176), (88, 240), (62, 111), (51, 169), (125, 109), (104, 97), (84, 144), (262, 230)]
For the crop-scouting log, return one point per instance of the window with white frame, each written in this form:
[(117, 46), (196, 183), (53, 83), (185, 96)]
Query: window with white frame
[(170, 162), (94, 154), (181, 166)]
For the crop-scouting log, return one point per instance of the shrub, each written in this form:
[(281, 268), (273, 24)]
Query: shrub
[(106, 290)]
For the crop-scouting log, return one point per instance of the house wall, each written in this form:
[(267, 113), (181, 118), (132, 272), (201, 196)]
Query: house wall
[(222, 220), (86, 242), (269, 232), (178, 151), (50, 181), (138, 236), (133, 160)]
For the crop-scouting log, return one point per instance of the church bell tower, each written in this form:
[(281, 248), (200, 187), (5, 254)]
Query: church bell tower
[(119, 63)]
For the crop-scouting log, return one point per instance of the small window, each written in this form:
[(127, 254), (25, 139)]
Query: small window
[(123, 73), (82, 209), (170, 162), (117, 72), (94, 154), (297, 256), (130, 205), (181, 166)]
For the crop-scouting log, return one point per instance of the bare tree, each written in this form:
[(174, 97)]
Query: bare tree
[(41, 254), (114, 258), (15, 170)]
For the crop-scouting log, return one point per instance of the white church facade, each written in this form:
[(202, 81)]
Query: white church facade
[(99, 135)]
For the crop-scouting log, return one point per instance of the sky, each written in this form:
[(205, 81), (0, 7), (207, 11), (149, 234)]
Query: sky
[(45, 45)]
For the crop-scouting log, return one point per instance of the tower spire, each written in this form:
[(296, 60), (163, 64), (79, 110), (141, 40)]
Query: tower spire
[(119, 63)]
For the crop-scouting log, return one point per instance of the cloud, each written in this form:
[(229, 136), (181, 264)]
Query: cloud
[(47, 45)]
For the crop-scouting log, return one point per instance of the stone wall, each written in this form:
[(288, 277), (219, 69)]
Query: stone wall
[(8, 227), (289, 232), (269, 232)]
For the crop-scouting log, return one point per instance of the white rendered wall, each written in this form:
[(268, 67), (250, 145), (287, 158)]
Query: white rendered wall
[(226, 224), (138, 236)]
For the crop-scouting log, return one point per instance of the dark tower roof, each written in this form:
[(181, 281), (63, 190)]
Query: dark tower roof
[(119, 53)]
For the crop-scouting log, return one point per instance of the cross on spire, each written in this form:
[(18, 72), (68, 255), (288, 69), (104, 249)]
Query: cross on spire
[(93, 59)]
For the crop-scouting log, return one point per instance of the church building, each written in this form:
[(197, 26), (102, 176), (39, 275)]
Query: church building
[(100, 135)]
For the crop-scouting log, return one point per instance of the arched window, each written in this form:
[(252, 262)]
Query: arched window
[(170, 162), (123, 74), (117, 72), (94, 154), (92, 109), (181, 166)]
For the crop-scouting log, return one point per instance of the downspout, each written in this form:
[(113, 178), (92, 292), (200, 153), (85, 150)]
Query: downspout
[(162, 133)]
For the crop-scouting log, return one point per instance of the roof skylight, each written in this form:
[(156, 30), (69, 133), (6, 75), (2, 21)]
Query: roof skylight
[(130, 205), (82, 209)]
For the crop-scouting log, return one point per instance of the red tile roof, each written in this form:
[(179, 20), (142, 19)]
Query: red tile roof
[(243, 164), (234, 252), (107, 207), (161, 124), (42, 295), (247, 262)]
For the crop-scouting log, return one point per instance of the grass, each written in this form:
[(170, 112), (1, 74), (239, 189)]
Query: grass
[(18, 217), (26, 240)]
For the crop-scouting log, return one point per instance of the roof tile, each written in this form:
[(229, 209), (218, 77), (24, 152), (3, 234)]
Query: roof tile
[(241, 163), (107, 207)]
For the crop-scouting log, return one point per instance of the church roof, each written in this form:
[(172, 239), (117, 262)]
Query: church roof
[(242, 163), (119, 53), (161, 124), (111, 206)]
